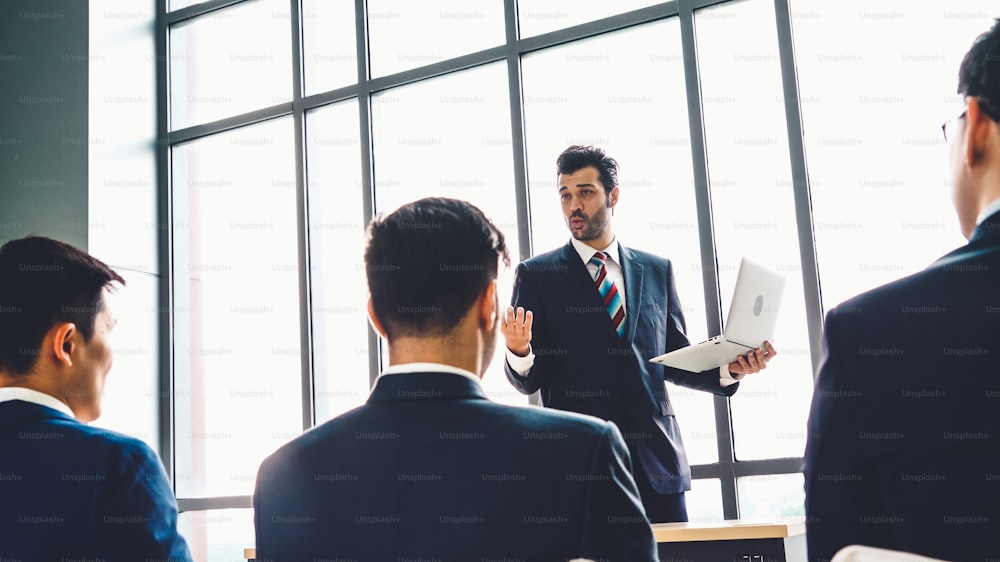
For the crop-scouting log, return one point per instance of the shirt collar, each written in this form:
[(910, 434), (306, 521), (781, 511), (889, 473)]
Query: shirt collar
[(989, 210), (428, 368), (8, 393), (586, 252)]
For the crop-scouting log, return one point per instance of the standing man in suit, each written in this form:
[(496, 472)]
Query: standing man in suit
[(586, 319), (904, 433), (429, 468), (69, 491)]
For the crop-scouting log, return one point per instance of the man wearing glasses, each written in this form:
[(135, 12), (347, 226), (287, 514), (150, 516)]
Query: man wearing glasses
[(904, 434)]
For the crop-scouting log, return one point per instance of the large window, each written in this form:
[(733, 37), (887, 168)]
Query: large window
[(753, 211), (872, 110), (236, 318), (288, 124)]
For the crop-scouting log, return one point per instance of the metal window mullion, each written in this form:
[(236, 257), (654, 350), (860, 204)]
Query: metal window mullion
[(220, 502), (764, 467), (515, 91), (730, 492), (367, 156), (229, 123), (609, 24), (706, 232), (800, 183), (757, 467), (433, 70), (329, 97), (302, 224), (701, 4), (164, 246), (199, 9)]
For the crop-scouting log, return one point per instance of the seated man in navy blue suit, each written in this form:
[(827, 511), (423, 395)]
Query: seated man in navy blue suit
[(429, 468), (587, 349), (69, 491), (904, 433)]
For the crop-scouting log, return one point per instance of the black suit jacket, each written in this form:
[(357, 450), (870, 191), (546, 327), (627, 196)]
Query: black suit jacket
[(581, 365), (69, 491), (903, 449), (429, 468)]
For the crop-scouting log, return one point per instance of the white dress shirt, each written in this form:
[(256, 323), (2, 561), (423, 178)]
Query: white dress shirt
[(429, 368), (522, 365)]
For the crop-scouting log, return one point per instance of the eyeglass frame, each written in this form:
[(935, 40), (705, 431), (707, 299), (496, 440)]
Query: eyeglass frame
[(988, 109)]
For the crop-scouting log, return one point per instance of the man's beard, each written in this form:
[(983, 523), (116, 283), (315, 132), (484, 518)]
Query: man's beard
[(593, 227)]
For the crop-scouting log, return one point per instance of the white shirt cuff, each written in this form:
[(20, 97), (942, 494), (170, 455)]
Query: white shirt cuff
[(521, 365), (725, 377)]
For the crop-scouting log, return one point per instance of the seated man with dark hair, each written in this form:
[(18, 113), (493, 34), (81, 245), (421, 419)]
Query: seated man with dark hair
[(429, 468), (69, 491), (904, 433)]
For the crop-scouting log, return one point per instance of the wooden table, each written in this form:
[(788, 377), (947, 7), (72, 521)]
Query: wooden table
[(731, 541), (720, 541)]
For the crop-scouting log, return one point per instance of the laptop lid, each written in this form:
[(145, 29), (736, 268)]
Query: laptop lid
[(753, 313)]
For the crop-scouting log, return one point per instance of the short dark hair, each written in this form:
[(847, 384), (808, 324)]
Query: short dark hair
[(427, 262), (578, 157), (44, 282), (979, 73)]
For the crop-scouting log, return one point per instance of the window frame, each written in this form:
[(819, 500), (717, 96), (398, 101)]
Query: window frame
[(727, 470)]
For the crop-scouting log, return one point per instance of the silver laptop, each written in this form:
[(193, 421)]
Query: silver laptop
[(752, 316)]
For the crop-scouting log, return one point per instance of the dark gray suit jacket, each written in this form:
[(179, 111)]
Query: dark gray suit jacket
[(69, 491), (429, 468), (581, 365), (903, 450)]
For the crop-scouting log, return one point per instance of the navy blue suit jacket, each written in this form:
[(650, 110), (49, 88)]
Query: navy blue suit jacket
[(429, 468), (69, 491), (903, 450), (581, 365)]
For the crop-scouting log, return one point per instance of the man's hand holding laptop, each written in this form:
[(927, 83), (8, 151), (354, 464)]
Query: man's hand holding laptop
[(753, 361)]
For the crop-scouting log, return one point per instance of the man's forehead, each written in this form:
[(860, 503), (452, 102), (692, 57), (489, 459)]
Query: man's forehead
[(581, 177)]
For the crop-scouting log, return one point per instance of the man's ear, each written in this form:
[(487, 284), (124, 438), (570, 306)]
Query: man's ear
[(977, 123), (613, 196), (488, 306), (374, 321), (60, 341)]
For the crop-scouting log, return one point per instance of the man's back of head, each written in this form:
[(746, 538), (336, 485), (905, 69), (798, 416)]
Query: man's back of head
[(975, 134), (53, 320), (70, 491), (430, 468), (429, 263)]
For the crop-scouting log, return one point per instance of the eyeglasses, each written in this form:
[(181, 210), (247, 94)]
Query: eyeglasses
[(948, 127)]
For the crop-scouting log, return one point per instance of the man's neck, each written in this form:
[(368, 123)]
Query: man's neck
[(600, 243), (445, 351)]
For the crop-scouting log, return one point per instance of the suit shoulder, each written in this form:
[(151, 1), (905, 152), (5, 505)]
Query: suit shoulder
[(890, 296), (543, 260), (650, 259), (531, 418), (649, 256), (114, 447), (100, 437), (315, 438)]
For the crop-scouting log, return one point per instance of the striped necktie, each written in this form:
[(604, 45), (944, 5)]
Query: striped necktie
[(609, 292)]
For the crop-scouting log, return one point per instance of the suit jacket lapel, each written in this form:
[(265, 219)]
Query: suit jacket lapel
[(632, 269), (578, 277)]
